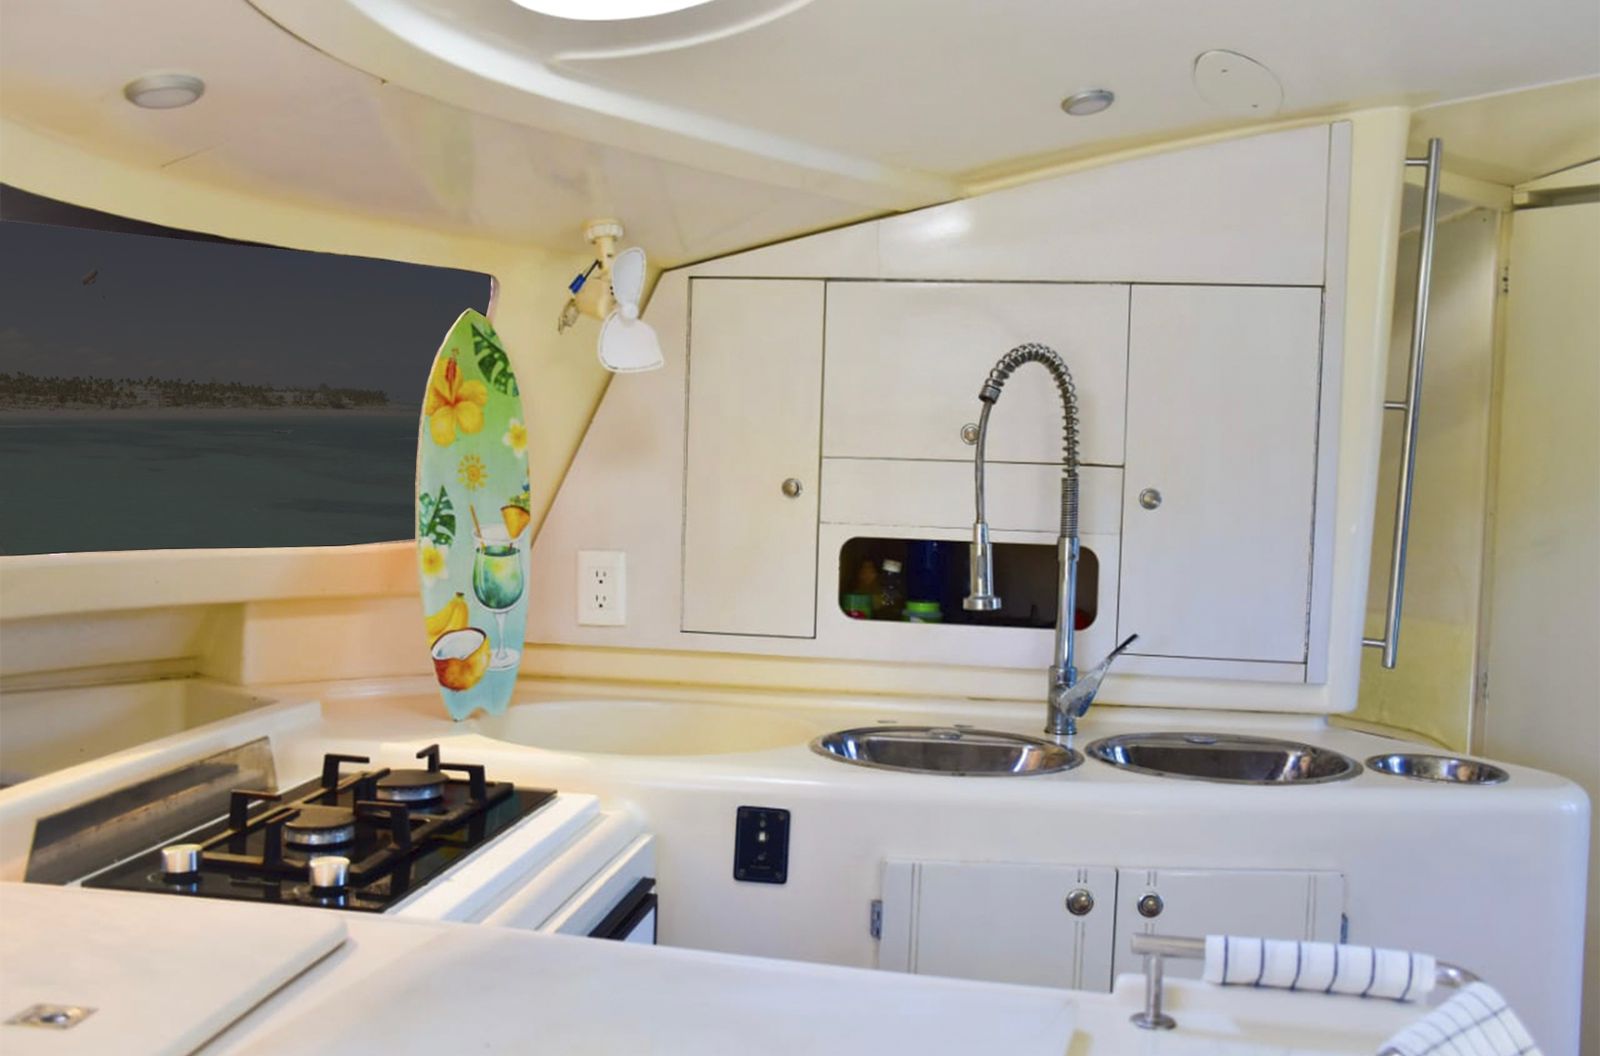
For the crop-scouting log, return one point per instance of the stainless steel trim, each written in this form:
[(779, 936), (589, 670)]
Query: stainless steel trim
[(1390, 641), (80, 840)]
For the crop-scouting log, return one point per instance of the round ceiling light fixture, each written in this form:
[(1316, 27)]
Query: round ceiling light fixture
[(607, 10), (164, 91), (1082, 104)]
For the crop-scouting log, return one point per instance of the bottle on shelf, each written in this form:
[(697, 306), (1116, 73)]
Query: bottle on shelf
[(890, 601)]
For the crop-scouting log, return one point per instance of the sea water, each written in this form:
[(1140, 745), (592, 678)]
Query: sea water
[(82, 481)]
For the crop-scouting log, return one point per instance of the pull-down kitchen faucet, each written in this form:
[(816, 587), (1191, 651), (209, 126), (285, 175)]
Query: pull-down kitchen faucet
[(1068, 697)]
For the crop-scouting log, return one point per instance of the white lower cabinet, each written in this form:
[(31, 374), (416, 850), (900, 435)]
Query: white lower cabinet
[(1273, 904), (1001, 921), (1069, 925)]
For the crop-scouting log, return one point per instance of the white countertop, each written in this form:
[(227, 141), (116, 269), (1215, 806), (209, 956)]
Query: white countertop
[(397, 987)]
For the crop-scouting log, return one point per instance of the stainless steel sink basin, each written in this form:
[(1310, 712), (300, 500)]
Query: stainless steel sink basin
[(1224, 757), (1445, 768), (946, 750)]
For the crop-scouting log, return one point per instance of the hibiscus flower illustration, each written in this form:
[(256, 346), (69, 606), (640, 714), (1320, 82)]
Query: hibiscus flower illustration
[(453, 404)]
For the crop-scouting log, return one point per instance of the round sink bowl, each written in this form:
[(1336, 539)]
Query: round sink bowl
[(961, 752), (641, 727), (1227, 758), (1443, 768)]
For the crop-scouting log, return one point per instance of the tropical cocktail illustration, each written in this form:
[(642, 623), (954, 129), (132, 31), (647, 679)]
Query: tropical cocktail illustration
[(497, 581)]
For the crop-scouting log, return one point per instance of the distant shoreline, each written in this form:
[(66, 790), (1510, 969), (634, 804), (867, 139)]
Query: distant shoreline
[(149, 412)]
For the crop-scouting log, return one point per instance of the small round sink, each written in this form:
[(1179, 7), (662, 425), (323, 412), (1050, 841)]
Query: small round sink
[(946, 750), (1227, 758), (1444, 768), (642, 727)]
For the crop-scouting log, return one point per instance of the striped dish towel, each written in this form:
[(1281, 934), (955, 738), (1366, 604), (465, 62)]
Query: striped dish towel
[(1325, 967), (1476, 1022)]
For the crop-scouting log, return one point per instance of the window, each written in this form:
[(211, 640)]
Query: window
[(164, 390)]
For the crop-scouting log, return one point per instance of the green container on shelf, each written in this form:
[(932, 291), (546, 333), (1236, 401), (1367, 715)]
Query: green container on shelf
[(924, 612), (856, 606)]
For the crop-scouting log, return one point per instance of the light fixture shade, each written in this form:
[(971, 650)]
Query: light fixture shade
[(627, 277), (628, 346), (607, 10)]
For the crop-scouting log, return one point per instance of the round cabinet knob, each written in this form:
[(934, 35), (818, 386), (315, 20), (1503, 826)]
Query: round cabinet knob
[(1079, 901), (969, 433), (1149, 498), (792, 488), (1151, 905)]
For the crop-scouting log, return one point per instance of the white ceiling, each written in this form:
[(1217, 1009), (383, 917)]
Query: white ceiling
[(729, 125)]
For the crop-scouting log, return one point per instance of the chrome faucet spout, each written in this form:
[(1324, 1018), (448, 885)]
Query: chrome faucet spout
[(1066, 701)]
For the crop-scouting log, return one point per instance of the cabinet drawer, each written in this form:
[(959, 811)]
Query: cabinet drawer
[(905, 362), (1018, 497)]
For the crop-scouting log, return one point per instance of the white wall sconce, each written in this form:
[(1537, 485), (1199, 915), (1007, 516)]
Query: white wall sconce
[(609, 290)]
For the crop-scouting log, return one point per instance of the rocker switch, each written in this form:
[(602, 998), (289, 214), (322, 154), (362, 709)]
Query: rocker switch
[(761, 845)]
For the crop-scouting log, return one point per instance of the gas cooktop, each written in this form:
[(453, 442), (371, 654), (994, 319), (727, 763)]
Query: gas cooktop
[(362, 840)]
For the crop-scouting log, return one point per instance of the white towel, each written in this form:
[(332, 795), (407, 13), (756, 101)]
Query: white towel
[(1476, 1022), (1320, 966)]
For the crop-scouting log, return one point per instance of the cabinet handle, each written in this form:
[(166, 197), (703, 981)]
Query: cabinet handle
[(1390, 642), (1079, 901), (1150, 498), (969, 433), (1151, 905), (792, 488)]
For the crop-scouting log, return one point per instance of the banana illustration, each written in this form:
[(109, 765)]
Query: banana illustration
[(451, 617)]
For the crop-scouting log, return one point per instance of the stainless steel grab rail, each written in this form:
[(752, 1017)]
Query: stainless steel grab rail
[(1390, 642), (1156, 948)]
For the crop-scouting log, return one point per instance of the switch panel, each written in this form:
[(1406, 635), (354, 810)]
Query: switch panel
[(602, 588), (761, 845)]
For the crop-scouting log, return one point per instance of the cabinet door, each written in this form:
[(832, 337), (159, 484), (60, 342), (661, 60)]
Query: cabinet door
[(755, 405), (1223, 388), (1000, 921), (1272, 904), (906, 361)]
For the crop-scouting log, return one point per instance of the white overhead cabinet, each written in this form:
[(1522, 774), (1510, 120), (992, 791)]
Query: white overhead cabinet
[(1219, 487), (755, 405), (906, 361)]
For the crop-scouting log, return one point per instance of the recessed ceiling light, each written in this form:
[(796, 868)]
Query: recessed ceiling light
[(1082, 104), (164, 91), (607, 10)]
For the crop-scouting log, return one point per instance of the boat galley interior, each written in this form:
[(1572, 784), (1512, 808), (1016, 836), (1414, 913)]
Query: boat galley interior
[(799, 526)]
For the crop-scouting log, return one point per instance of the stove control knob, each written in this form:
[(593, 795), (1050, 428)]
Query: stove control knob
[(330, 872), (180, 860)]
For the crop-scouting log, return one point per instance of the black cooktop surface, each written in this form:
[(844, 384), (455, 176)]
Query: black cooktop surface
[(395, 830)]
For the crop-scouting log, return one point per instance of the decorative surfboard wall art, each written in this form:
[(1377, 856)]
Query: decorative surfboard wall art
[(472, 519)]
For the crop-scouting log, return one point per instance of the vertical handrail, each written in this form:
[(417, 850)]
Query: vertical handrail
[(1411, 405)]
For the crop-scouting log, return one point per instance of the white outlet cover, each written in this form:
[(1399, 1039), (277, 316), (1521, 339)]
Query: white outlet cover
[(1237, 84), (602, 588)]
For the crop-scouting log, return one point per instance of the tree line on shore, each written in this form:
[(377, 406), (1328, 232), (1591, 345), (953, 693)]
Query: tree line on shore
[(23, 390)]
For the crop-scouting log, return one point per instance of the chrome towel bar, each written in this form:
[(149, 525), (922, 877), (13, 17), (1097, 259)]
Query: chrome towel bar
[(1390, 642), (1157, 948)]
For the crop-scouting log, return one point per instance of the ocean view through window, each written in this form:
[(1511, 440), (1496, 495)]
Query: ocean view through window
[(176, 392)]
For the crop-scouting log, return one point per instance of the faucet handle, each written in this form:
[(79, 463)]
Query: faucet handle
[(1082, 693)]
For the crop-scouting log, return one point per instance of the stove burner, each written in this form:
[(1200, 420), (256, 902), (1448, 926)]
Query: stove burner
[(319, 826), (411, 786)]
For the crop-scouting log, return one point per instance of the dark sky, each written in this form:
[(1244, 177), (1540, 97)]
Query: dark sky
[(177, 308)]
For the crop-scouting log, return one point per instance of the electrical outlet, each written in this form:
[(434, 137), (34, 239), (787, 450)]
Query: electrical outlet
[(602, 588)]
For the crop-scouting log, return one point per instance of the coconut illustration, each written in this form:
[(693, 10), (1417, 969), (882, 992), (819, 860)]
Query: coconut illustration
[(461, 657)]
